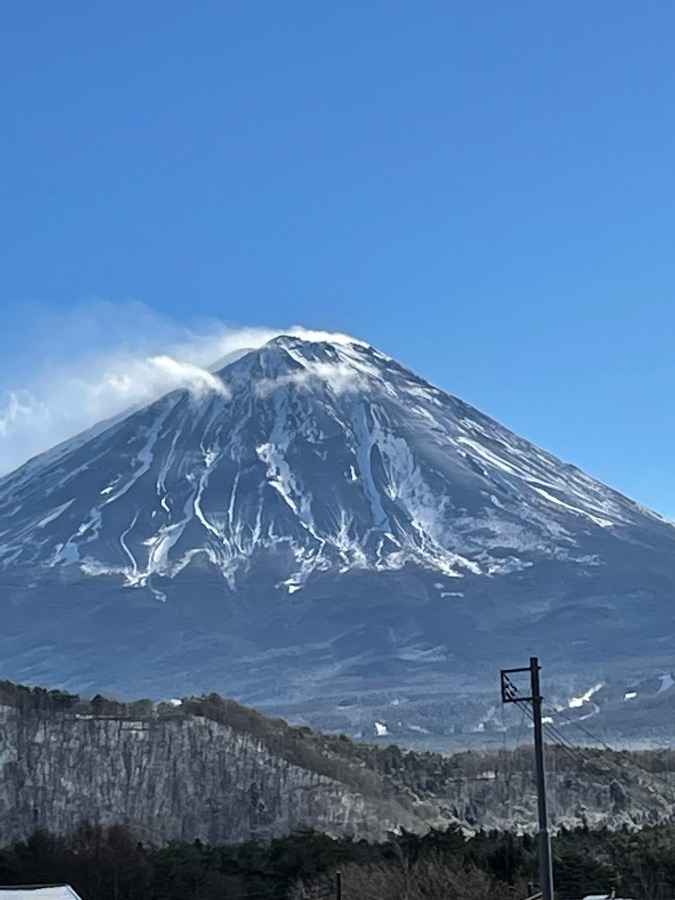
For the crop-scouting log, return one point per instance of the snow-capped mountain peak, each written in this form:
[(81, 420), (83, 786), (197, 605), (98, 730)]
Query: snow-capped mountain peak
[(320, 453)]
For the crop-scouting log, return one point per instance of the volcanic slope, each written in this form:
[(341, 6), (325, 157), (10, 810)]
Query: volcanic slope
[(320, 524)]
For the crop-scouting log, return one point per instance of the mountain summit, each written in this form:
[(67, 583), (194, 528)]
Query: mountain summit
[(314, 518)]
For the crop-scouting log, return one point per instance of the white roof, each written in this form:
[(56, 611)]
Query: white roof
[(26, 892), (600, 897)]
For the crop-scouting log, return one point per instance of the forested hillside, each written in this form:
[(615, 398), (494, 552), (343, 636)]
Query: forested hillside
[(209, 769)]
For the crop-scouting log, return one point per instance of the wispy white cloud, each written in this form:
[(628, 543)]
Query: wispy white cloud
[(18, 410), (339, 377), (135, 381), (334, 337), (94, 363)]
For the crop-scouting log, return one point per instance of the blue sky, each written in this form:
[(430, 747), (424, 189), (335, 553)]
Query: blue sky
[(484, 190)]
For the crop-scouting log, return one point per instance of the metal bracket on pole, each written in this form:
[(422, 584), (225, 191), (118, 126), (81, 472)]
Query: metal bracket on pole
[(510, 692)]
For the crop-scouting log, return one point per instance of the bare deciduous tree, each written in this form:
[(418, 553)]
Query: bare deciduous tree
[(432, 877)]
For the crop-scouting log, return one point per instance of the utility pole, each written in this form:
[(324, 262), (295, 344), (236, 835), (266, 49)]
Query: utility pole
[(338, 885), (510, 694)]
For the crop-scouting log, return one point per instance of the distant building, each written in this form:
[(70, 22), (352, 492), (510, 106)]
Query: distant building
[(611, 896), (39, 892)]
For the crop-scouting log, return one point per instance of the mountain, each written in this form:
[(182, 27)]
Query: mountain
[(209, 769), (321, 532)]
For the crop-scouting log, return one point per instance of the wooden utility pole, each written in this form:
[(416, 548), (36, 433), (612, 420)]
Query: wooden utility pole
[(510, 694)]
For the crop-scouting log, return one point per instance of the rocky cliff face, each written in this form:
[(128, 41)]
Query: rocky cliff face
[(213, 770)]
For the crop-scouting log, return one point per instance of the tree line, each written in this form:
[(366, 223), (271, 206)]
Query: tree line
[(109, 864)]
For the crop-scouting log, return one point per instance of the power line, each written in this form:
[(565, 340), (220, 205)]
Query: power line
[(579, 754), (568, 749), (621, 762), (586, 731)]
